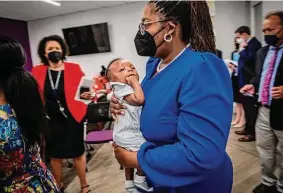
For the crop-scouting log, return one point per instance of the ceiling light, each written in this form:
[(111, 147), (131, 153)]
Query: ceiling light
[(52, 2)]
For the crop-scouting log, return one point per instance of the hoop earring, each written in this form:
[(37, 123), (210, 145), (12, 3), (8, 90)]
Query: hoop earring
[(167, 37)]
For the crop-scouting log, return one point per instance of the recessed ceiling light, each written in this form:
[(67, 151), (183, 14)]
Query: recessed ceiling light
[(52, 2)]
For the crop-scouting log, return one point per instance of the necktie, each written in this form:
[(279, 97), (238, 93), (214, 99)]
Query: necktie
[(267, 79)]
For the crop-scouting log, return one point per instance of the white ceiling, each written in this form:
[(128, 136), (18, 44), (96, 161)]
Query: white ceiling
[(32, 10)]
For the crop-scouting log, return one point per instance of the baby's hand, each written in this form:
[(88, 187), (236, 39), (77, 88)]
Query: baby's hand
[(132, 79)]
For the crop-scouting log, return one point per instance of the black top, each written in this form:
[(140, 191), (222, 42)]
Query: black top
[(52, 106)]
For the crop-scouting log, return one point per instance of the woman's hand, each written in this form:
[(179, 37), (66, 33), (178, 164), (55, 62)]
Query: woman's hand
[(231, 67), (116, 108), (249, 88), (126, 158)]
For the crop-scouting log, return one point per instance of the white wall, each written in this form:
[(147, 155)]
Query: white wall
[(123, 24), (267, 6), (271, 6), (229, 15)]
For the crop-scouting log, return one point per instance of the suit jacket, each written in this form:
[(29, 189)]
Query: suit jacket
[(276, 108), (246, 69), (72, 78)]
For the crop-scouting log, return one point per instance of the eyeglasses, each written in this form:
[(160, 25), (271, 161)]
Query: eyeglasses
[(145, 25)]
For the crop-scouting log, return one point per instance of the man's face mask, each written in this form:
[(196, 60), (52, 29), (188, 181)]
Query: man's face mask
[(272, 39), (240, 40)]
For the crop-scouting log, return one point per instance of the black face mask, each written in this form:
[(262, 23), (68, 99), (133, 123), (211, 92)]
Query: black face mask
[(54, 56), (271, 39), (237, 46), (145, 44)]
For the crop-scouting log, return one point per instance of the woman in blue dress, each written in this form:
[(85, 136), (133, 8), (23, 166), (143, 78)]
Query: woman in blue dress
[(188, 102)]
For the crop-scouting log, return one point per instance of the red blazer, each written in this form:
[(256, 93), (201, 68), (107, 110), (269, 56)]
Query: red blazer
[(72, 78)]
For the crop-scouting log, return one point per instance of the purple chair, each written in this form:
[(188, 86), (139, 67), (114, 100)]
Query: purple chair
[(98, 137)]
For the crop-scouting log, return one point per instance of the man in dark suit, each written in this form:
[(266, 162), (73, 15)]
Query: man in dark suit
[(246, 70), (268, 83)]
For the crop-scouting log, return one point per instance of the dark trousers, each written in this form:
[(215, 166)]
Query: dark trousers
[(250, 108)]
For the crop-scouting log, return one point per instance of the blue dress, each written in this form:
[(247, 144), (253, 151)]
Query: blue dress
[(186, 121)]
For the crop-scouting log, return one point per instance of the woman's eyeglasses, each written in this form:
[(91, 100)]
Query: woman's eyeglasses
[(145, 25)]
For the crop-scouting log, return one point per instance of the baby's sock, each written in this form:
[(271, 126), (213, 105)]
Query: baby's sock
[(130, 186), (140, 182)]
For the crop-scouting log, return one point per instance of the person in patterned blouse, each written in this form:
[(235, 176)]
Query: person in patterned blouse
[(22, 126)]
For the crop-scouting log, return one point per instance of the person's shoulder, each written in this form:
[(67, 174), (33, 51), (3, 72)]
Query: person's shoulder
[(255, 42), (204, 63), (204, 58), (212, 59), (71, 64), (207, 68)]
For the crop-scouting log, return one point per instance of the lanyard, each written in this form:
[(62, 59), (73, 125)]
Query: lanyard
[(54, 88)]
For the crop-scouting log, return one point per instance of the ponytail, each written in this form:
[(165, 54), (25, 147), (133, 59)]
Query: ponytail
[(22, 93), (202, 36)]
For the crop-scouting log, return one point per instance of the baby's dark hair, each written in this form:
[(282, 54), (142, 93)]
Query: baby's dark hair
[(103, 71), (109, 65)]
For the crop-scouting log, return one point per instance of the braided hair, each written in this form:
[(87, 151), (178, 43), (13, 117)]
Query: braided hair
[(195, 21), (21, 91)]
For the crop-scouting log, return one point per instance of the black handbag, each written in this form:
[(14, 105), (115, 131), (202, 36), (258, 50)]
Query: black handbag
[(98, 112)]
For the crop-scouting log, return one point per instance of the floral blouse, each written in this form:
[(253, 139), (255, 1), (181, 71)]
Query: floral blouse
[(21, 169)]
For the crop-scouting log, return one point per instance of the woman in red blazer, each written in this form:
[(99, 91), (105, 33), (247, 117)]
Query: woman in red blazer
[(58, 82)]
